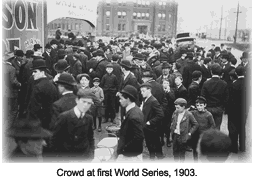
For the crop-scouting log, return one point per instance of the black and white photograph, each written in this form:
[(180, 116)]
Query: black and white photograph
[(127, 81)]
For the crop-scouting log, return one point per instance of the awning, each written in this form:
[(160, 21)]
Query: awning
[(73, 9)]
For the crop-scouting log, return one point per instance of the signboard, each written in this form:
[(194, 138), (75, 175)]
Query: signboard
[(79, 9), (22, 24)]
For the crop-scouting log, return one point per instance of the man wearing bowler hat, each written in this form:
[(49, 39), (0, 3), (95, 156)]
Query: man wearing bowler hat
[(37, 50), (99, 70), (153, 118), (48, 58), (166, 75), (44, 94), (66, 85), (29, 137), (60, 67), (127, 79), (131, 135)]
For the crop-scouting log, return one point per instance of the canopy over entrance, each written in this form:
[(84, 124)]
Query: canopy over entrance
[(84, 10)]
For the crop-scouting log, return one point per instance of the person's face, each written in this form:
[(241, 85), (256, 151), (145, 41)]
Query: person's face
[(217, 53), (88, 44), (200, 106), (224, 60), (166, 71), (109, 70), (179, 108), (145, 92), (84, 104), (37, 74), (48, 50), (139, 62), (60, 88), (165, 84), (123, 101), (150, 50), (84, 82), (244, 60), (212, 47), (127, 48), (178, 81), (34, 146), (96, 84), (107, 51), (183, 56)]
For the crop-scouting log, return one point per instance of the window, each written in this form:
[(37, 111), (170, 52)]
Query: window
[(169, 15), (143, 3), (160, 15), (77, 27), (138, 15), (160, 3), (63, 26), (147, 15), (139, 2), (143, 15), (159, 28), (119, 14), (119, 27), (147, 3), (80, 26), (108, 13), (55, 26), (123, 14), (107, 26), (164, 3), (134, 15), (69, 27), (123, 27), (163, 16), (119, 2)]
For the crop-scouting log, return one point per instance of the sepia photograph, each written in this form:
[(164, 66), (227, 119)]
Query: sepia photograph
[(122, 81)]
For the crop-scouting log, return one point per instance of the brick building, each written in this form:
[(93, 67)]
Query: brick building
[(126, 17)]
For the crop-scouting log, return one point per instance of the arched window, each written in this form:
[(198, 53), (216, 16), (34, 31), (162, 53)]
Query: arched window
[(108, 13)]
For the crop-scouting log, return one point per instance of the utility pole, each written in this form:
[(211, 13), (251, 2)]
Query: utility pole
[(237, 13), (221, 18), (154, 17), (225, 31)]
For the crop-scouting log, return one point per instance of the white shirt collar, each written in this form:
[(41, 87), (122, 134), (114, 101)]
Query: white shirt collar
[(130, 106), (77, 112), (240, 77), (206, 66), (126, 74), (233, 65), (66, 92), (147, 98), (179, 86)]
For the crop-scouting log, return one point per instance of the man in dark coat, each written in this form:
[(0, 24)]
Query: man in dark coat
[(226, 68), (100, 69), (194, 89), (47, 57), (215, 91), (153, 116), (16, 61), (65, 85), (127, 79), (44, 94), (10, 93), (180, 90), (206, 72), (189, 69), (237, 111), (131, 134), (182, 61), (166, 75), (212, 51), (73, 133)]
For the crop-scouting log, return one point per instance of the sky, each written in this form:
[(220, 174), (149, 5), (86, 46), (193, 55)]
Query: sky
[(204, 15)]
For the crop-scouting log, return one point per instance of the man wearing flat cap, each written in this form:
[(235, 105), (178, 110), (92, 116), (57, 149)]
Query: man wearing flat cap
[(182, 127), (153, 118), (100, 69), (29, 137), (73, 136), (131, 135), (44, 94)]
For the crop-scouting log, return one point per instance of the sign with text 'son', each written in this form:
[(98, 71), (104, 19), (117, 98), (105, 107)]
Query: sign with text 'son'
[(72, 8), (22, 21)]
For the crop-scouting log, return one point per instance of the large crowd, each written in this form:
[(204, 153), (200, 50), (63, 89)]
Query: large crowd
[(158, 94)]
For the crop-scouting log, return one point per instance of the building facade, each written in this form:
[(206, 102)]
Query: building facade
[(126, 17), (77, 26)]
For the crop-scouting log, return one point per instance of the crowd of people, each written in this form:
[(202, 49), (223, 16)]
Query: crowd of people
[(162, 94)]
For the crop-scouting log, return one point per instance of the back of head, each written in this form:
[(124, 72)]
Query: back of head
[(215, 145), (216, 69)]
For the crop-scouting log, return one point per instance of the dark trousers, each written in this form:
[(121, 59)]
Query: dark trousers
[(193, 142), (236, 131), (165, 131), (10, 111), (117, 104), (217, 113), (109, 100), (179, 148), (153, 143)]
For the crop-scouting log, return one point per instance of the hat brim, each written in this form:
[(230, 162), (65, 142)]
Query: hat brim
[(39, 133), (42, 67), (140, 59), (126, 66), (66, 83), (128, 94), (60, 70)]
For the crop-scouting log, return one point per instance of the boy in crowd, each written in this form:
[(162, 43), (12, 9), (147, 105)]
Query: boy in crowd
[(98, 91), (205, 121), (110, 85), (180, 91), (182, 127)]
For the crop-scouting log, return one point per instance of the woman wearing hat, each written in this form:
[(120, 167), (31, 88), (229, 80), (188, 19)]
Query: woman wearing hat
[(29, 137)]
